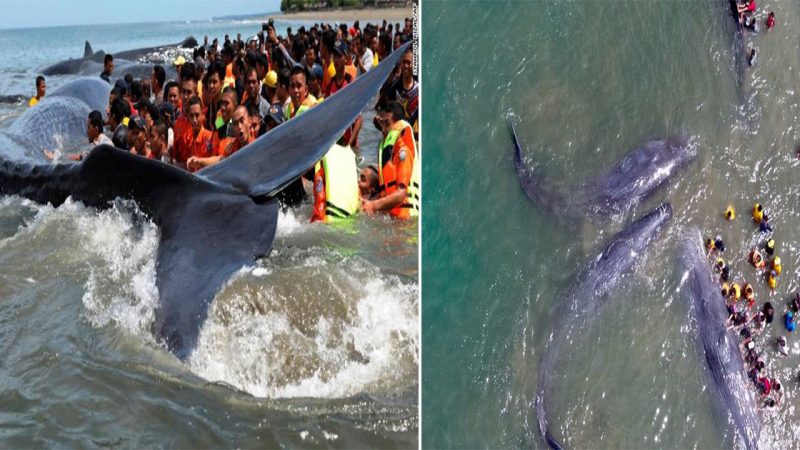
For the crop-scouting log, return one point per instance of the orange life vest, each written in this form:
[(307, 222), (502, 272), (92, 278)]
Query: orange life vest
[(396, 161)]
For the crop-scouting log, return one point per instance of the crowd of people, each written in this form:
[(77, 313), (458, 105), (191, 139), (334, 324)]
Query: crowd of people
[(746, 10), (230, 93), (744, 316)]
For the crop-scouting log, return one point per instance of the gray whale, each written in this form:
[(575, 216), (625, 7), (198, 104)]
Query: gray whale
[(73, 66), (594, 284), (212, 223), (719, 346), (632, 180)]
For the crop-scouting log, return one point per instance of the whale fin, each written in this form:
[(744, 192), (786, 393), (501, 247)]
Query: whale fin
[(532, 183), (87, 50), (207, 233), (271, 162)]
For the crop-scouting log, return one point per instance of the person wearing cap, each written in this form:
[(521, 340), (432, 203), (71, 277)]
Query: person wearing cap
[(274, 117), (108, 67), (178, 63), (770, 247), (342, 79), (41, 87), (137, 136), (315, 82), (269, 85)]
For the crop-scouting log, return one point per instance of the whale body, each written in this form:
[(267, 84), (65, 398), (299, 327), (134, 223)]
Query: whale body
[(582, 303), (719, 346), (632, 180)]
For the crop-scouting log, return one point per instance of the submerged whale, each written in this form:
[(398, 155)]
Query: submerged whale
[(593, 287), (632, 180), (73, 66), (122, 67), (718, 345), (212, 223)]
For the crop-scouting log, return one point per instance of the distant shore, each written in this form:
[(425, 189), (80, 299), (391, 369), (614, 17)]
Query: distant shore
[(348, 15)]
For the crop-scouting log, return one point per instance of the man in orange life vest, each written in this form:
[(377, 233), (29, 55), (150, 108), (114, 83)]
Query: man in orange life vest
[(395, 162)]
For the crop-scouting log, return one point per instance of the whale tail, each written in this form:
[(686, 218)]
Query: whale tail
[(87, 50), (532, 183)]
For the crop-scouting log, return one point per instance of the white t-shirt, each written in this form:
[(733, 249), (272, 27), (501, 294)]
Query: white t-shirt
[(367, 60)]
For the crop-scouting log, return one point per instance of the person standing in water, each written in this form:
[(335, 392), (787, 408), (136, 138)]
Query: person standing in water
[(41, 86)]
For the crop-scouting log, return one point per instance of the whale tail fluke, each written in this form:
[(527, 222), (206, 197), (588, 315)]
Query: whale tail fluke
[(532, 183), (87, 50)]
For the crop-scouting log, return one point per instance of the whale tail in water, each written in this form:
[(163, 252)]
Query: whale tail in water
[(541, 193), (87, 50), (212, 223)]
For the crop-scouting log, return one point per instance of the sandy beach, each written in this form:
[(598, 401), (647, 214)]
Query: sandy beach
[(391, 14)]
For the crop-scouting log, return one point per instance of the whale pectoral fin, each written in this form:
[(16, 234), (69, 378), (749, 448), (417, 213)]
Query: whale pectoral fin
[(282, 155), (205, 242), (87, 50)]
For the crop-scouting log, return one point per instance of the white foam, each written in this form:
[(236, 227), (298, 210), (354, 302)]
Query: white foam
[(256, 343), (121, 289)]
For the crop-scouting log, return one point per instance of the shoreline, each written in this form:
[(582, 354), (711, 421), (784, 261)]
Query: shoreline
[(348, 15)]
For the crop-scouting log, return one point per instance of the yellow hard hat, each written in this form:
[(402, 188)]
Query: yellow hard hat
[(730, 213), (736, 290), (271, 80), (720, 263), (771, 243), (776, 261)]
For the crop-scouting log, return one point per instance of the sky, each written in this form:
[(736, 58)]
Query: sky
[(48, 13)]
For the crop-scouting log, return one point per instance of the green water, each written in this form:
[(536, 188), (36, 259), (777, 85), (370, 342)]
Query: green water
[(588, 81)]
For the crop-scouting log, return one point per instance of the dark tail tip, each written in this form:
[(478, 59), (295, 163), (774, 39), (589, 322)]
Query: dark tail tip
[(513, 129), (87, 50), (551, 441)]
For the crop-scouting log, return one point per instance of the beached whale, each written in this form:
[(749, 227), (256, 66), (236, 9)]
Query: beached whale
[(73, 66), (212, 223), (719, 346), (632, 180), (123, 67), (593, 286)]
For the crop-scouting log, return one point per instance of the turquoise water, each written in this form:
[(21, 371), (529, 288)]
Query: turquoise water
[(587, 81)]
